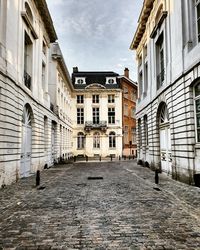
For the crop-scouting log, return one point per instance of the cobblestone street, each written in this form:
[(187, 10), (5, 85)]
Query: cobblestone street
[(121, 211)]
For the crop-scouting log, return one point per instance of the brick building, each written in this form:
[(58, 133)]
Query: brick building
[(128, 113)]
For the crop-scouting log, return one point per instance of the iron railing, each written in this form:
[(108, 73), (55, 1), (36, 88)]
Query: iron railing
[(89, 125), (160, 78), (27, 80)]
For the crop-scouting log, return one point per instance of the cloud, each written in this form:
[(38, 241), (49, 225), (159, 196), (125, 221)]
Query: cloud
[(96, 36)]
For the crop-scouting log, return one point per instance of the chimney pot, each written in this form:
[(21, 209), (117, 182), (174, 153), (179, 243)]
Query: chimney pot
[(126, 72), (75, 69)]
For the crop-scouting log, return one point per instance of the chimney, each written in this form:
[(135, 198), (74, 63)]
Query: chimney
[(75, 69), (126, 72)]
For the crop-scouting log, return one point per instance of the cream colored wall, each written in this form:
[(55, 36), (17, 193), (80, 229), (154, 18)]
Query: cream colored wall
[(104, 139)]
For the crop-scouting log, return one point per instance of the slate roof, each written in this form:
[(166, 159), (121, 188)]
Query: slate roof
[(95, 77)]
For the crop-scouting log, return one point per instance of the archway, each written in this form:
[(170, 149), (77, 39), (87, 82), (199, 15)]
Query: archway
[(26, 147), (165, 139)]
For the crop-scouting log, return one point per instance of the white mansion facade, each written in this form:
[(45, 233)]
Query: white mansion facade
[(167, 44), (97, 110), (35, 91)]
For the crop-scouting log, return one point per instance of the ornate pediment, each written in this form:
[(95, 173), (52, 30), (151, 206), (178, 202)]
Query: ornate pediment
[(95, 86)]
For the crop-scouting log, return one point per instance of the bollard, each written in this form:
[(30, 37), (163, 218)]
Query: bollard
[(129, 157), (86, 158), (37, 178), (119, 158), (156, 177), (111, 157), (74, 158), (99, 158)]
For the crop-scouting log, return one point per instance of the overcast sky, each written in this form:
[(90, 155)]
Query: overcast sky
[(95, 35)]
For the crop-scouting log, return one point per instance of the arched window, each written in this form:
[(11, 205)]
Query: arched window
[(139, 133), (96, 140), (80, 140), (146, 130), (164, 117), (112, 140), (197, 110), (29, 12), (27, 115)]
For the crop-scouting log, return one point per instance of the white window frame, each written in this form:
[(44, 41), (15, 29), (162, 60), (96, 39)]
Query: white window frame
[(197, 2), (95, 115), (111, 78), (196, 98), (96, 140), (80, 140), (112, 140), (80, 116), (80, 99), (111, 98), (78, 79), (95, 99), (111, 118)]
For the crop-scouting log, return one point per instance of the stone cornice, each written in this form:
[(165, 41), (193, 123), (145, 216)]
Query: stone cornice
[(144, 15), (46, 18)]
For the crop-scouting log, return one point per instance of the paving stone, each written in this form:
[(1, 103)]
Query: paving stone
[(122, 211)]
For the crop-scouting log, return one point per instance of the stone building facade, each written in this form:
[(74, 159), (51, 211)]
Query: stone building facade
[(129, 97), (31, 112), (97, 113), (167, 44)]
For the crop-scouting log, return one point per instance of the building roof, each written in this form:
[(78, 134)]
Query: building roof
[(143, 18), (46, 18), (129, 80), (95, 77), (57, 55)]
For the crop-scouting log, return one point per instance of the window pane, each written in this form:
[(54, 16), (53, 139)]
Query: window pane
[(197, 106)]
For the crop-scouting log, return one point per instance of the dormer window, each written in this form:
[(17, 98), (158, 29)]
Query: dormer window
[(80, 80), (111, 80)]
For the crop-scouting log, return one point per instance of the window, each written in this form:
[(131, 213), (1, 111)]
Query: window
[(96, 140), (80, 116), (140, 80), (44, 48), (43, 76), (112, 140), (133, 112), (80, 140), (95, 98), (133, 95), (95, 115), (111, 115), (29, 12), (198, 18), (126, 134), (80, 80), (111, 98), (126, 109), (45, 133), (126, 92), (197, 109), (133, 135), (111, 80), (146, 130), (145, 78), (80, 99), (160, 61), (139, 133), (28, 50)]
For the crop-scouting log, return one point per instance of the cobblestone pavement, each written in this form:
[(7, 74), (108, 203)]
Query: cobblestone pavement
[(123, 211)]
